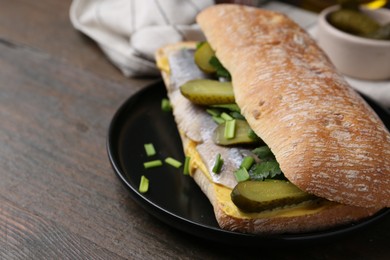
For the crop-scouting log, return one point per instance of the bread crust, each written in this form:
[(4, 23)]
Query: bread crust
[(327, 140), (332, 215)]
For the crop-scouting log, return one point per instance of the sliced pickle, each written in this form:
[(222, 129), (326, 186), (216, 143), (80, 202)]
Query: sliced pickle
[(243, 134), (353, 21), (383, 33), (257, 196), (208, 92), (202, 57)]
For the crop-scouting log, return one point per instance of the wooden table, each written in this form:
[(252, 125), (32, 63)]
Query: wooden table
[(59, 197)]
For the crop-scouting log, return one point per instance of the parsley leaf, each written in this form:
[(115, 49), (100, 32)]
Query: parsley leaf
[(265, 170), (264, 153), (220, 69)]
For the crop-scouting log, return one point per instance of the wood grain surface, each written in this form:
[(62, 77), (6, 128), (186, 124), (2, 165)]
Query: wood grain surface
[(59, 197)]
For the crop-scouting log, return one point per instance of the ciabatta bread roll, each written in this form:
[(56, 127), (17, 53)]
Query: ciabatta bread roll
[(326, 139)]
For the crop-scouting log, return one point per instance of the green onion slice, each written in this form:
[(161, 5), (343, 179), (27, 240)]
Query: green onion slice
[(218, 120), (226, 116), (230, 129), (166, 105), (144, 184), (241, 174), (149, 149), (247, 162), (213, 111), (218, 164), (186, 170), (173, 162), (152, 164)]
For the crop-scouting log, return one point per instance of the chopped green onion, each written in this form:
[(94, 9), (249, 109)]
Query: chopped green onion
[(241, 174), (226, 116), (230, 129), (247, 162), (213, 111), (218, 120), (218, 164), (152, 164), (149, 149), (144, 184), (173, 162), (186, 170), (166, 105)]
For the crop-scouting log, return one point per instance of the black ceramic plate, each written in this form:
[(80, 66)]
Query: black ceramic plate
[(173, 197)]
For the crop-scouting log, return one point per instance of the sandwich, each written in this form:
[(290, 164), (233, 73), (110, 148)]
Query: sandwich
[(276, 138)]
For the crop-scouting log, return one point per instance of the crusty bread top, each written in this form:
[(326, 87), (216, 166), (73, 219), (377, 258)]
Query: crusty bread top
[(327, 140)]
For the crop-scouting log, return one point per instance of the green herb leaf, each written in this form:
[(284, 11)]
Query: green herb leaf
[(265, 170), (221, 71), (252, 135), (236, 115), (264, 153)]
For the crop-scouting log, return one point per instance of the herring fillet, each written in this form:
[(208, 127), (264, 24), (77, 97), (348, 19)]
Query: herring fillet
[(196, 123), (184, 69)]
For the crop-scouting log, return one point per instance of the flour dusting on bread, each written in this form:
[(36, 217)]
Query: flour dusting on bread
[(325, 137)]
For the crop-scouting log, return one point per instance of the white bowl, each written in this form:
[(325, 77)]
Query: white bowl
[(356, 56)]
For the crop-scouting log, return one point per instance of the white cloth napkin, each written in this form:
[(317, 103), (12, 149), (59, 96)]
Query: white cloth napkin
[(130, 31)]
